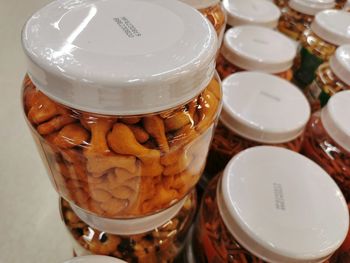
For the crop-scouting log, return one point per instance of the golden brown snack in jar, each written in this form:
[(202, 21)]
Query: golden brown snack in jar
[(160, 245), (116, 166)]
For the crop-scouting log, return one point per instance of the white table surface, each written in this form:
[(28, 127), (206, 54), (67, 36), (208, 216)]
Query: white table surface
[(31, 230)]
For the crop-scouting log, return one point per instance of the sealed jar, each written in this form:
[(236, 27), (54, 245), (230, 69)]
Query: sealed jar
[(213, 11), (329, 30), (122, 107), (256, 48), (94, 259), (299, 14), (251, 12), (258, 109), (156, 238), (327, 139), (270, 205), (331, 77)]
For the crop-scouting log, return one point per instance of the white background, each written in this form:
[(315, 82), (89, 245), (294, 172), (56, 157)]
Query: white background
[(31, 230)]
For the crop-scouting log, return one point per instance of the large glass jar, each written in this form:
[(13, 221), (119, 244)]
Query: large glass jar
[(251, 12), (214, 12), (270, 205), (329, 30), (121, 138), (331, 77), (153, 239), (256, 48), (275, 113), (327, 139), (299, 14)]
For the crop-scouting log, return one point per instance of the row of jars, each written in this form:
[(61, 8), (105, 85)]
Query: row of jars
[(123, 109)]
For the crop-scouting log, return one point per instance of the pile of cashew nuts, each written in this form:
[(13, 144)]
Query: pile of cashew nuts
[(123, 166)]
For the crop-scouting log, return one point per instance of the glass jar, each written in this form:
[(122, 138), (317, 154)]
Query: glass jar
[(94, 259), (120, 138), (328, 31), (275, 113), (327, 139), (256, 48), (158, 238), (331, 77), (266, 207), (299, 14), (251, 12), (214, 12)]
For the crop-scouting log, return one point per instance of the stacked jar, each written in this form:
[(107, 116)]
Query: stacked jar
[(299, 14), (251, 12), (213, 11), (270, 205), (121, 106), (329, 30), (331, 77), (258, 109), (256, 48)]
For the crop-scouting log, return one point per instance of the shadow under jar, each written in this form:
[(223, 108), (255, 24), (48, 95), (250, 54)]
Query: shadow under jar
[(214, 12), (251, 12), (256, 48), (258, 109), (154, 239), (124, 130), (331, 77), (266, 207), (328, 31), (299, 14), (327, 140)]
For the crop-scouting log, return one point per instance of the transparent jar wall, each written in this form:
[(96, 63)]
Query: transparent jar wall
[(212, 242), (314, 51), (321, 148), (160, 245), (325, 85), (227, 144), (217, 16), (117, 166), (226, 68), (292, 23)]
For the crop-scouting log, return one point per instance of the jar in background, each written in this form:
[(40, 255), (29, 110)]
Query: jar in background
[(331, 77), (251, 12), (258, 109), (256, 48), (121, 138), (329, 30), (327, 139), (153, 239), (298, 15), (270, 205), (213, 11)]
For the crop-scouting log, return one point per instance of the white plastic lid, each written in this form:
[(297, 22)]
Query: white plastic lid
[(129, 226), (95, 259), (333, 26), (120, 57), (340, 63), (263, 107), (335, 118), (281, 206), (251, 12), (258, 48), (311, 7), (201, 4)]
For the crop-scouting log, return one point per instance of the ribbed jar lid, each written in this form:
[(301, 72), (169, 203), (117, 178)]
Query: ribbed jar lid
[(340, 63), (335, 118), (263, 107), (258, 48), (251, 12), (120, 57), (281, 206), (332, 26), (311, 7)]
